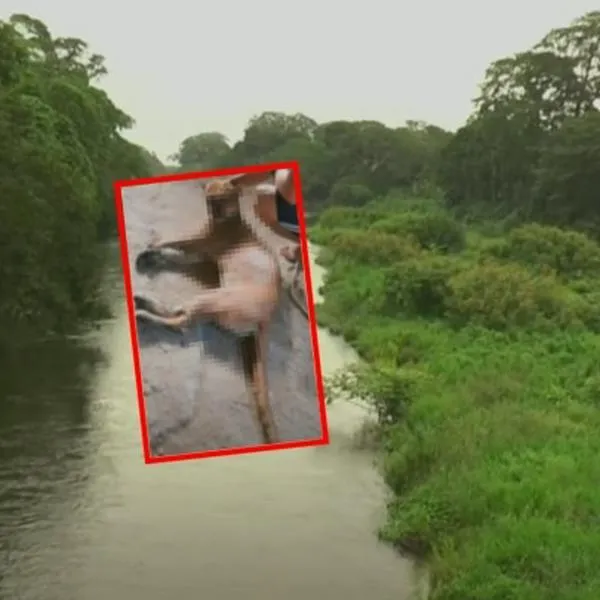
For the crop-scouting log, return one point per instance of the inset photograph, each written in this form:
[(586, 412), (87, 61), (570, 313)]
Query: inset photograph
[(222, 318)]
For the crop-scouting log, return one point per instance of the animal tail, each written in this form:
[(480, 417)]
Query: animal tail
[(254, 361)]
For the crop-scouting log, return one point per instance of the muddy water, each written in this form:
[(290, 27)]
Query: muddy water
[(82, 518)]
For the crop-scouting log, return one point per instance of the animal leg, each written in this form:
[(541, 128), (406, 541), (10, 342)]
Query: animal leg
[(206, 245), (178, 252), (153, 260), (206, 305), (151, 311), (149, 305), (177, 322)]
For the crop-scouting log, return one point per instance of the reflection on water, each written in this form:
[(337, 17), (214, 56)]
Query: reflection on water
[(82, 518)]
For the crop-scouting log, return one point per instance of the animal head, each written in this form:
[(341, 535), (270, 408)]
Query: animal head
[(223, 195), (220, 187), (223, 200)]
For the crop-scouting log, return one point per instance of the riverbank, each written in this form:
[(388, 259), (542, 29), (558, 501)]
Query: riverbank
[(481, 355)]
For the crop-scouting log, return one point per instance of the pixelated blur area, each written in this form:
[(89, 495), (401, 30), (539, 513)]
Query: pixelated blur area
[(223, 329)]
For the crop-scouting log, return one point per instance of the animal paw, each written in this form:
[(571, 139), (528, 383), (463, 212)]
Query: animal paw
[(148, 260), (141, 303), (145, 316)]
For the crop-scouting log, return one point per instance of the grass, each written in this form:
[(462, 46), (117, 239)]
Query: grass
[(491, 451)]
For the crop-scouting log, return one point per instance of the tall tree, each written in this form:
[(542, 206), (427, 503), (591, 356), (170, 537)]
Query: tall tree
[(61, 147), (498, 158), (567, 187), (558, 78), (202, 151), (270, 130)]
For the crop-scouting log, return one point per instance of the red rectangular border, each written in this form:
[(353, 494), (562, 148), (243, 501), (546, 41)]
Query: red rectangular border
[(118, 188)]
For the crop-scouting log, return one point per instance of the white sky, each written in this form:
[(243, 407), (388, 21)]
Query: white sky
[(186, 66)]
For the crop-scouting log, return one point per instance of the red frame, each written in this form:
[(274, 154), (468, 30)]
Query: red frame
[(118, 187)]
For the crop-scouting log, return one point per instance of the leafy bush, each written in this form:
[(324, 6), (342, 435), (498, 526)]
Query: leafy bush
[(419, 286), (352, 292), (388, 341), (504, 296), (387, 390), (433, 230), (371, 247), (569, 253), (342, 217)]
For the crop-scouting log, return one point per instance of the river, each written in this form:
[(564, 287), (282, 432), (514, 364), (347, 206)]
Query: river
[(83, 518)]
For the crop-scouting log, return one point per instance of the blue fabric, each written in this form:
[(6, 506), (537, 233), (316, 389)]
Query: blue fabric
[(286, 212)]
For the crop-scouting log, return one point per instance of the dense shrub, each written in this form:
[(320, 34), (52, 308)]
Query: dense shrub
[(352, 292), (504, 296), (342, 217), (388, 341), (371, 247), (397, 201), (433, 230), (419, 287), (569, 253), (389, 391)]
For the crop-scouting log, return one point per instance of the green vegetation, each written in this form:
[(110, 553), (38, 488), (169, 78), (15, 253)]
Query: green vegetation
[(484, 375), (61, 148), (342, 162), (477, 318)]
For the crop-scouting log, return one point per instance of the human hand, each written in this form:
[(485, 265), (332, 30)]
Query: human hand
[(291, 253)]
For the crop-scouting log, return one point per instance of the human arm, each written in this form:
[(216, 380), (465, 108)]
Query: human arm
[(284, 182)]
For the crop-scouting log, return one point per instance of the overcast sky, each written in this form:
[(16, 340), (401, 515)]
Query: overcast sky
[(186, 66)]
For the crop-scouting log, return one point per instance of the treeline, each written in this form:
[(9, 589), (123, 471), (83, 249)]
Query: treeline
[(530, 151), (341, 162), (61, 148)]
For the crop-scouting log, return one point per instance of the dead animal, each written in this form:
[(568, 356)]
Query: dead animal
[(242, 300)]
